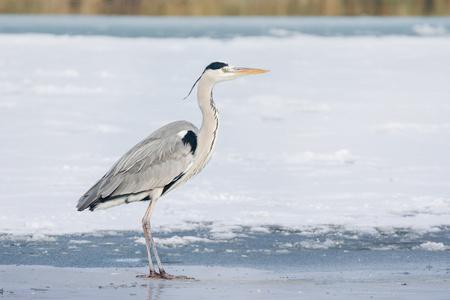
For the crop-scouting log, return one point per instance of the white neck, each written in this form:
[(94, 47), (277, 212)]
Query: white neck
[(210, 124)]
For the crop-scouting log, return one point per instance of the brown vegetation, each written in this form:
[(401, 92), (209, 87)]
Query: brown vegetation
[(230, 7)]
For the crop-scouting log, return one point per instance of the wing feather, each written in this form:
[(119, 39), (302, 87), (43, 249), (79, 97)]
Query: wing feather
[(153, 163)]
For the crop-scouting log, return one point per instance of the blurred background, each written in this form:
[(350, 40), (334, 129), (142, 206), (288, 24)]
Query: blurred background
[(230, 7)]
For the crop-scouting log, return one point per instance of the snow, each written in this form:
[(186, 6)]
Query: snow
[(344, 133), (429, 30), (432, 246), (177, 241)]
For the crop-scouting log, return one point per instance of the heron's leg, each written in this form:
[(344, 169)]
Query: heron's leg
[(158, 261), (148, 239), (151, 244)]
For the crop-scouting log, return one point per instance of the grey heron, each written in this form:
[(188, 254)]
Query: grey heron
[(165, 159)]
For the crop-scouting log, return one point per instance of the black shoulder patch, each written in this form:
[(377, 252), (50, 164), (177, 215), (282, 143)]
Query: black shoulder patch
[(191, 139), (216, 65)]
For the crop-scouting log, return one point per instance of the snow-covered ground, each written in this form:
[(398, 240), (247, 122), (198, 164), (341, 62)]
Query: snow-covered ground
[(344, 133)]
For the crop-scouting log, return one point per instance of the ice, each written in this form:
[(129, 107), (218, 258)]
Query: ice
[(310, 244), (317, 244), (79, 242), (216, 282), (177, 241), (429, 30), (432, 246), (344, 133)]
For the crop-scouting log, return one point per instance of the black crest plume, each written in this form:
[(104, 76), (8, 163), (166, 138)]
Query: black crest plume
[(212, 66)]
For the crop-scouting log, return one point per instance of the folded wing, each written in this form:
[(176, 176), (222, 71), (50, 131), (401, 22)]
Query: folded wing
[(158, 161)]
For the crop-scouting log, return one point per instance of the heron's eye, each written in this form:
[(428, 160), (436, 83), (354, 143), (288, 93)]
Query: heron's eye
[(224, 70)]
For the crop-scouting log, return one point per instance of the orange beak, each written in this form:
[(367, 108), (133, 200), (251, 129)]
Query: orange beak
[(249, 71)]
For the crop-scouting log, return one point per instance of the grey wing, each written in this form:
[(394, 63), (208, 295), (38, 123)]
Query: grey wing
[(156, 162)]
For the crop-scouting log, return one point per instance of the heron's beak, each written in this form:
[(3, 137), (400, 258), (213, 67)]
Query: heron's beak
[(249, 71)]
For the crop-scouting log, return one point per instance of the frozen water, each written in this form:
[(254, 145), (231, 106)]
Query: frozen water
[(345, 134), (223, 27)]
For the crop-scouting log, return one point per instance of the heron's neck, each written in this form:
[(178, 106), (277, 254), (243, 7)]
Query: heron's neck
[(210, 124)]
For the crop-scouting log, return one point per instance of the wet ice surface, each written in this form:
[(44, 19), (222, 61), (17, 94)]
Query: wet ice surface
[(221, 283)]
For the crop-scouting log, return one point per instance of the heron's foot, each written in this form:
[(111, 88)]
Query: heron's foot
[(168, 276), (151, 275), (164, 275)]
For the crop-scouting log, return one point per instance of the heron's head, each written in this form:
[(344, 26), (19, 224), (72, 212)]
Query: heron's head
[(221, 71)]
